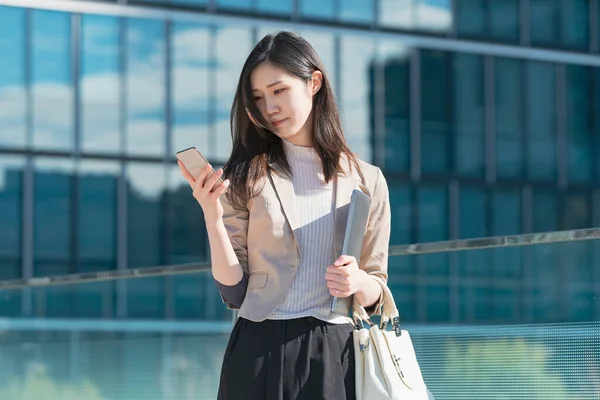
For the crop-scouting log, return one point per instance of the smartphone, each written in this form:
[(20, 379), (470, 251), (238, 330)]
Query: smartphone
[(194, 161)]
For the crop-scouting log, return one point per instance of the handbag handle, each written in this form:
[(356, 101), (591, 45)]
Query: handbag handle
[(389, 310)]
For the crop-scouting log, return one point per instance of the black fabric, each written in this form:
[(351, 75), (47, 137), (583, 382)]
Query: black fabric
[(234, 294), (303, 358)]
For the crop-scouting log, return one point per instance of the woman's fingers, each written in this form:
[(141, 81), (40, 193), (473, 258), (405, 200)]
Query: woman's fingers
[(221, 189), (210, 182)]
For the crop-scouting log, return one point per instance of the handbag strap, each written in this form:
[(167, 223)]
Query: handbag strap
[(389, 310)]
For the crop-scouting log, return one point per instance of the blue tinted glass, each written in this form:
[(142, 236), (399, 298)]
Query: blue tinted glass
[(192, 69), (52, 80), (509, 108), (432, 213), (574, 24), (438, 306), (145, 190), (544, 210), (470, 18), (397, 14), (469, 115), (395, 87), (355, 102), (100, 84), (53, 216), (191, 2), (504, 20), (145, 87), (97, 212), (435, 111), (275, 6), (11, 187), (506, 212), (317, 9), (12, 78), (580, 137), (235, 4), (401, 208), (577, 211), (543, 17), (188, 237), (359, 11), (232, 46), (473, 215), (434, 15), (146, 298), (541, 121)]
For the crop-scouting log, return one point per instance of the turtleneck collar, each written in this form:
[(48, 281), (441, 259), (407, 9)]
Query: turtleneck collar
[(296, 153)]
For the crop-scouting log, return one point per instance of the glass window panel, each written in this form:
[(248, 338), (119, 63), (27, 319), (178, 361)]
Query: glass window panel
[(12, 79), (435, 111), (577, 211), (401, 207), (438, 306), (317, 9), (100, 84), (509, 108), (145, 130), (191, 2), (11, 214), (471, 18), (324, 45), (543, 24), (52, 87), (284, 7), (504, 17), (579, 130), (574, 24), (355, 100), (541, 121), (188, 236), (473, 215), (52, 216), (358, 11), (469, 115), (545, 209), (432, 213), (145, 190), (506, 212), (397, 13), (232, 46), (191, 65), (235, 4), (434, 15), (146, 298), (97, 212), (395, 60)]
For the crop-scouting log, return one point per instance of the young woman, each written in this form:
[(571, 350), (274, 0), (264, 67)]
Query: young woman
[(276, 234)]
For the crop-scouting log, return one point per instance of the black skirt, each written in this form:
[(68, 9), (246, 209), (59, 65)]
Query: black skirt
[(303, 358)]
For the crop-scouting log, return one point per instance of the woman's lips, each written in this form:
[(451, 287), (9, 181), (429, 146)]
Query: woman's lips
[(278, 123)]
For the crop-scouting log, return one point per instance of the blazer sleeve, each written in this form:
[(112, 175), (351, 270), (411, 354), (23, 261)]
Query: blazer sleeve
[(374, 256), (236, 224)]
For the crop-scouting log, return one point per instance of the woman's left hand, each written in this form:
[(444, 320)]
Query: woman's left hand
[(344, 277)]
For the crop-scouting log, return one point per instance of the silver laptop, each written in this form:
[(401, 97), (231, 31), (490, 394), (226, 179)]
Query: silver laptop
[(356, 226)]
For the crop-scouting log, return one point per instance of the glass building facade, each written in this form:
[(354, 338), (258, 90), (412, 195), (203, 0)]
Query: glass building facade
[(483, 114)]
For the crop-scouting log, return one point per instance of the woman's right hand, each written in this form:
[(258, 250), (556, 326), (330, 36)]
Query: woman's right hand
[(209, 201)]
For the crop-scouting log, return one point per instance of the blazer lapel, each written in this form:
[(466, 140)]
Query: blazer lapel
[(287, 197)]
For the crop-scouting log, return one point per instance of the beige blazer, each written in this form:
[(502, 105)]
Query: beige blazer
[(263, 236)]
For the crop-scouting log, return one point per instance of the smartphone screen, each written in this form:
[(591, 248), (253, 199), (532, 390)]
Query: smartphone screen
[(194, 161)]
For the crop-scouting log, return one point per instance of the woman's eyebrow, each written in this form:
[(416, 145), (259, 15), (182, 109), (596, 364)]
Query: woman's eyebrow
[(269, 85)]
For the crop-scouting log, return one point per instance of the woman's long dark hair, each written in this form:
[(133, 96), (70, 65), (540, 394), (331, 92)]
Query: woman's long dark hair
[(254, 145)]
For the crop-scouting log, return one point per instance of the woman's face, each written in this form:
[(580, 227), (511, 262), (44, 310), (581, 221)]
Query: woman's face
[(285, 101)]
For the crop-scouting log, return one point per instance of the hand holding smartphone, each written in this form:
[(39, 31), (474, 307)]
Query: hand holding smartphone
[(194, 161)]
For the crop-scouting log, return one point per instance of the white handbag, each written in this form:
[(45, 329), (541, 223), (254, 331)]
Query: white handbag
[(386, 363)]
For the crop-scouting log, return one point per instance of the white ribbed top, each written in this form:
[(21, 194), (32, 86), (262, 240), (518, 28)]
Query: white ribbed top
[(308, 294)]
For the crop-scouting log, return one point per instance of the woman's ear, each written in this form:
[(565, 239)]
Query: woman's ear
[(316, 80)]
